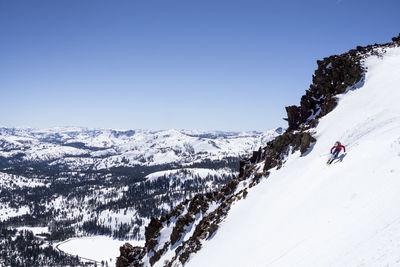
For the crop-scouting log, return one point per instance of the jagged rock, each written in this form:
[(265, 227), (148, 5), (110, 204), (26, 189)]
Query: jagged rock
[(126, 249), (213, 227), (229, 187), (256, 156), (333, 76), (245, 193), (306, 140), (396, 39), (151, 243), (158, 254), (128, 254), (247, 170), (293, 117), (179, 228), (198, 203), (151, 231), (175, 212)]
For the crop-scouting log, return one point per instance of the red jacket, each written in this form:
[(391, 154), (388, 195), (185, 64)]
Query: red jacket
[(338, 147)]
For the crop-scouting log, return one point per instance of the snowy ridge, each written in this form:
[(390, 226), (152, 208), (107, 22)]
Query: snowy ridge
[(310, 214), (306, 213), (103, 149)]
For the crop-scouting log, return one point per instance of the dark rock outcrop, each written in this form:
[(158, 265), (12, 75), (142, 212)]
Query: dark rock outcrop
[(333, 76), (179, 228), (129, 256)]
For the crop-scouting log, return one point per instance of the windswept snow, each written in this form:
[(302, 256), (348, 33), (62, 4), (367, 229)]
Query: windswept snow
[(310, 214)]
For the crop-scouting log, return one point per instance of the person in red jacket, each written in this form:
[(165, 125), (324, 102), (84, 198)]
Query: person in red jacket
[(337, 148)]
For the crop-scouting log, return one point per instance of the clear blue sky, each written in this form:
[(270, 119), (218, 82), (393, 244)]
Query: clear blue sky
[(208, 65)]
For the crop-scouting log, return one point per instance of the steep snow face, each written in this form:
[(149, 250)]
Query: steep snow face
[(311, 214)]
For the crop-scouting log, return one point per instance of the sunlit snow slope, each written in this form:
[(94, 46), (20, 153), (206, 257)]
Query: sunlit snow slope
[(311, 214)]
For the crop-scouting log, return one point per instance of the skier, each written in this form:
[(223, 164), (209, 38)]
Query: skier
[(336, 150)]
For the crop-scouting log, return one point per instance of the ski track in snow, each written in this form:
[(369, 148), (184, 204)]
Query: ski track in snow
[(309, 214)]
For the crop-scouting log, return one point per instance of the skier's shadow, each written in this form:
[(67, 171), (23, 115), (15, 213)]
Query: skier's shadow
[(341, 157)]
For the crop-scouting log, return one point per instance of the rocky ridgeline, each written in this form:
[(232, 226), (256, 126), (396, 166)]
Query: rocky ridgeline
[(197, 219)]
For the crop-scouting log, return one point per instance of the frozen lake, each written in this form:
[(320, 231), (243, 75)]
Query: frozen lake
[(97, 248)]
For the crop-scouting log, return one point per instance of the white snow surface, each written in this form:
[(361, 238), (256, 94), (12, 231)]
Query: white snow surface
[(310, 214)]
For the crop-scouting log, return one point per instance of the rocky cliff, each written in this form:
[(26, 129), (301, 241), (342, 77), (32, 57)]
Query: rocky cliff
[(171, 239)]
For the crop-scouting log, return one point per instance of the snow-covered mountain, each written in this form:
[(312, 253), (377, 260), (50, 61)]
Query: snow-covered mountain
[(76, 182), (81, 148), (288, 207)]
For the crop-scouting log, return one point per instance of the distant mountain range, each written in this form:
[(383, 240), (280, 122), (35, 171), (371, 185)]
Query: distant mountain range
[(99, 149)]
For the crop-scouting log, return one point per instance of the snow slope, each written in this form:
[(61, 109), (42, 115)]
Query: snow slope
[(311, 214)]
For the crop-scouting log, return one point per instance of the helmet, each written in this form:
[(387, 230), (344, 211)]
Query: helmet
[(337, 143)]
